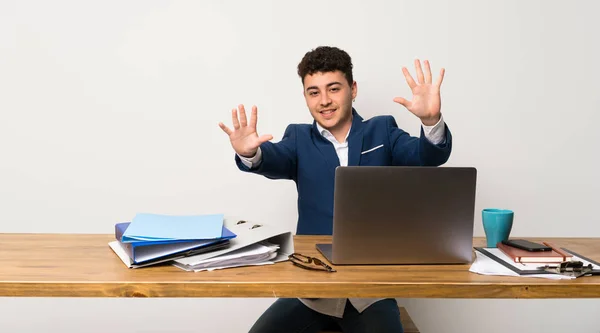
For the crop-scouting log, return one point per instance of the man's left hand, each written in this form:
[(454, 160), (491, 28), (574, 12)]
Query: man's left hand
[(426, 101)]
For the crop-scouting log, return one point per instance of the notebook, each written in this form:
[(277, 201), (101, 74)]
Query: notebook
[(556, 255)]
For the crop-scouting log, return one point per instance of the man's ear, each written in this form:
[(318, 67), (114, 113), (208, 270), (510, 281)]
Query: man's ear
[(354, 89)]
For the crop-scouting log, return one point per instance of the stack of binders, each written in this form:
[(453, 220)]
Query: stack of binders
[(150, 239)]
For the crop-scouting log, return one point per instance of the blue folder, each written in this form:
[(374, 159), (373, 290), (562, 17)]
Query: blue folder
[(156, 227), (143, 252)]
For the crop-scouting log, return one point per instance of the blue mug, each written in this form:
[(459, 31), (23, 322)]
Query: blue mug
[(497, 224)]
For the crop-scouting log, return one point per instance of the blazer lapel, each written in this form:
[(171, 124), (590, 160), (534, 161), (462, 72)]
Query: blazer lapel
[(355, 139), (325, 148)]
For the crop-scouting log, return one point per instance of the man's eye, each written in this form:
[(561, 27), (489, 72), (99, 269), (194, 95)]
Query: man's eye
[(313, 93), (335, 89)]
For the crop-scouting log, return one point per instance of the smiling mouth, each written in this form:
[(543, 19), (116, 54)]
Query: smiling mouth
[(327, 112)]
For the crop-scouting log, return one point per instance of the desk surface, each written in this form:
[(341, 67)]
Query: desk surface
[(75, 265)]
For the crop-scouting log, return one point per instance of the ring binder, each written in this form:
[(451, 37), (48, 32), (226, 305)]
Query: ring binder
[(247, 234)]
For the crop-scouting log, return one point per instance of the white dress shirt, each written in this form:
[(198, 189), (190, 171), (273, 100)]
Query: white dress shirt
[(335, 306)]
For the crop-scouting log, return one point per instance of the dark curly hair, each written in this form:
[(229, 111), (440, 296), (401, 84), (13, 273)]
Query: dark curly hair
[(326, 59)]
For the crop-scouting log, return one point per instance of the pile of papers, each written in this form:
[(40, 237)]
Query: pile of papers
[(198, 243), (150, 239), (492, 261), (255, 244), (261, 253)]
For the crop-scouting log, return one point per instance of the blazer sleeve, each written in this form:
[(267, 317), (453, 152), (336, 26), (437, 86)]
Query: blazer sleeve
[(279, 160), (412, 151)]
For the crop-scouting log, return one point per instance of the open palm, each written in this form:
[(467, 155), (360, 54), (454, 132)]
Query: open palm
[(244, 138), (426, 101)]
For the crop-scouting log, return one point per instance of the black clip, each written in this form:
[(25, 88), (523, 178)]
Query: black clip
[(570, 268)]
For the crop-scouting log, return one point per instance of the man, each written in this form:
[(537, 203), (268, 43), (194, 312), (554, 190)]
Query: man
[(309, 154)]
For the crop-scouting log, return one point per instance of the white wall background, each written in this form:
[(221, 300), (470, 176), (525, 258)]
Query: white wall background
[(111, 108)]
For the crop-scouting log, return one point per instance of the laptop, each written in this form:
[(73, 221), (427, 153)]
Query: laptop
[(402, 215)]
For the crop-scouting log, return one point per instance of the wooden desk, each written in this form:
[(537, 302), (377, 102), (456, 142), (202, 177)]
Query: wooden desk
[(56, 265)]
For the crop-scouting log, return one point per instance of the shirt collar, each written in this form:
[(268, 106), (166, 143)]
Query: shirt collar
[(326, 134)]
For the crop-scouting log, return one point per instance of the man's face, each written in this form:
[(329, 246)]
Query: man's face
[(329, 98)]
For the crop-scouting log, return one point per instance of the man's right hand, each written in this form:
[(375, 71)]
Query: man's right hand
[(244, 139)]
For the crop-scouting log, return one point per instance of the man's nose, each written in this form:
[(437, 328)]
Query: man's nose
[(325, 100)]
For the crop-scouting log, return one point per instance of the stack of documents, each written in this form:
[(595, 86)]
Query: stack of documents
[(199, 243), (492, 261), (151, 239), (254, 244), (261, 253)]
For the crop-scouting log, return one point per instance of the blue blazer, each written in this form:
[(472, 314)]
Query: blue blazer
[(306, 157)]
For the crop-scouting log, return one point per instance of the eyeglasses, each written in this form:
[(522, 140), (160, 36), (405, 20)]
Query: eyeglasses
[(305, 262)]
